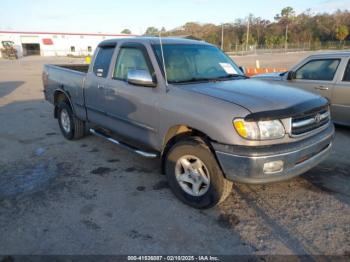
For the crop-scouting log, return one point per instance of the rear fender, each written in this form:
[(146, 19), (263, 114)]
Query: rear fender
[(61, 95)]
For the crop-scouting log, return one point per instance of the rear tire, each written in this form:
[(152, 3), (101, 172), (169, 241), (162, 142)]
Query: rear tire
[(189, 163), (71, 127)]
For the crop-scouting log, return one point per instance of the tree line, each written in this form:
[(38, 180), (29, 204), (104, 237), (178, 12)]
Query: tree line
[(287, 27)]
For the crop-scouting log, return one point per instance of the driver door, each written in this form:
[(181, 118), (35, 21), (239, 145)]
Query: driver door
[(132, 109)]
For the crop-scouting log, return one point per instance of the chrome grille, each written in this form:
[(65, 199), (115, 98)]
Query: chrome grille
[(308, 123)]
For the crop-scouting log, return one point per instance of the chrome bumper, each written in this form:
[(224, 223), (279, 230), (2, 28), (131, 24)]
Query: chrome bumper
[(245, 164)]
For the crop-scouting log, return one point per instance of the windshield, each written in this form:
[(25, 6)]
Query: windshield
[(192, 63)]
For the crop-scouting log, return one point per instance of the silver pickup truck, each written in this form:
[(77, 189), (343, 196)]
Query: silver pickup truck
[(188, 103), (326, 74)]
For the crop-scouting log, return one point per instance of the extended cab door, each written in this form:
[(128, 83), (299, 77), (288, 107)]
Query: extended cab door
[(132, 109), (341, 96), (317, 76), (95, 85)]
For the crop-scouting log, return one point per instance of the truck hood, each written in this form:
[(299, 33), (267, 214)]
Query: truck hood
[(269, 76), (258, 95)]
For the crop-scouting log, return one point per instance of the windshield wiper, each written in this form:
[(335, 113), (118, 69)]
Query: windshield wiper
[(203, 79), (231, 76), (192, 80)]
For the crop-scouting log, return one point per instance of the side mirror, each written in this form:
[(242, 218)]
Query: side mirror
[(140, 78), (242, 68), (290, 75)]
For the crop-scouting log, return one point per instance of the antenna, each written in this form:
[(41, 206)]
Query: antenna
[(161, 50)]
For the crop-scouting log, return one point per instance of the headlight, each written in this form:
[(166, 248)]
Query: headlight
[(260, 130)]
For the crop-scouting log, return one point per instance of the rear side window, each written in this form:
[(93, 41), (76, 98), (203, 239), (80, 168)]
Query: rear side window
[(346, 76), (320, 69), (102, 61)]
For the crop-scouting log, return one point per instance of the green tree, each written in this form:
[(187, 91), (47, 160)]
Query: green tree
[(274, 41), (126, 31), (152, 31), (341, 33), (288, 27), (285, 18)]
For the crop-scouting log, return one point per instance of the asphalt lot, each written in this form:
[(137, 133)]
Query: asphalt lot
[(275, 60), (91, 197)]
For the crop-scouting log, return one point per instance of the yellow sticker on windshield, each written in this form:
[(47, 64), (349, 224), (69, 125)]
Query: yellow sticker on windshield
[(228, 68)]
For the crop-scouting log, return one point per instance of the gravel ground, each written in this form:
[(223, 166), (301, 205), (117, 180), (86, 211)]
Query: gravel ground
[(90, 197)]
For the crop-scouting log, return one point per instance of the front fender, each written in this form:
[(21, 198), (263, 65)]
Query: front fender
[(210, 116)]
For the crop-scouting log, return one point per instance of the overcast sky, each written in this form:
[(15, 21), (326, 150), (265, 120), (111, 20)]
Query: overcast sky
[(112, 16)]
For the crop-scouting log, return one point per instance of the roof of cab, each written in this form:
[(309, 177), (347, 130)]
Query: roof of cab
[(333, 54), (151, 40)]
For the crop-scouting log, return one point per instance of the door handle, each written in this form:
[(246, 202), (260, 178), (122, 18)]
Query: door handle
[(100, 86), (321, 87)]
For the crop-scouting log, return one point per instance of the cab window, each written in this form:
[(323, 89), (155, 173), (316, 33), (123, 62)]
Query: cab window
[(320, 69), (102, 61), (129, 59), (346, 76)]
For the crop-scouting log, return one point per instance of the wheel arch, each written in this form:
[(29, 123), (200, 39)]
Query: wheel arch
[(60, 96), (180, 132)]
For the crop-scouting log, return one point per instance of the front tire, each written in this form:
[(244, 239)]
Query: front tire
[(71, 127), (194, 175)]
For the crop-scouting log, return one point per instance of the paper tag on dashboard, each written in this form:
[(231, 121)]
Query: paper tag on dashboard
[(228, 68)]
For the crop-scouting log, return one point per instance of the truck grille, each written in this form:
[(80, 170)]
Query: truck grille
[(307, 123)]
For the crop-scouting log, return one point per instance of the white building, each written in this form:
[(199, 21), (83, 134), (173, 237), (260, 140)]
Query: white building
[(55, 43)]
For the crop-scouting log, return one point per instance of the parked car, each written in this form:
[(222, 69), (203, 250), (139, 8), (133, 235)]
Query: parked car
[(188, 103), (326, 74)]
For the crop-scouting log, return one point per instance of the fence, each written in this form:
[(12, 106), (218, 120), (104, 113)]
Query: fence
[(282, 48)]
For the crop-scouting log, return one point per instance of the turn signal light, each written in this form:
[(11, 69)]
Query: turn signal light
[(241, 129)]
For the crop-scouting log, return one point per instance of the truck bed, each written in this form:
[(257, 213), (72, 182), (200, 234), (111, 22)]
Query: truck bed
[(84, 68), (68, 78)]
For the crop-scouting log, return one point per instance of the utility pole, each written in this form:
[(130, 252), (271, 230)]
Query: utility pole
[(247, 34), (222, 37)]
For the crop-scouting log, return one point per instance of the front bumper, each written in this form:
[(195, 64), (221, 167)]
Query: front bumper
[(245, 164)]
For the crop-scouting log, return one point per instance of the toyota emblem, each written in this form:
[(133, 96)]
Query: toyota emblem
[(318, 118)]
